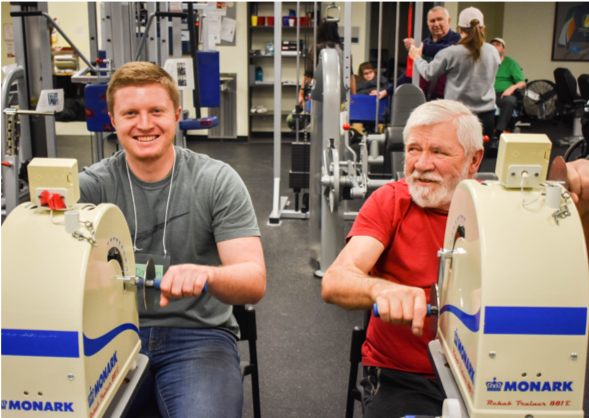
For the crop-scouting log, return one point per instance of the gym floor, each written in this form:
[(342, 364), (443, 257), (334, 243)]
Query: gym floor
[(303, 343)]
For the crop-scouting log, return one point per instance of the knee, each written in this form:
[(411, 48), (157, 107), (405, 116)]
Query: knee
[(510, 100)]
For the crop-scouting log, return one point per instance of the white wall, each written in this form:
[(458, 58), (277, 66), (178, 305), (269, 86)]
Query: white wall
[(527, 30), (452, 7), (72, 18), (6, 20)]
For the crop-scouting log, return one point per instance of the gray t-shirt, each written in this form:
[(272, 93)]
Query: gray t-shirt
[(209, 204), (469, 83)]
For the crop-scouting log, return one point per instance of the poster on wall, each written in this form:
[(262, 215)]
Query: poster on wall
[(570, 40)]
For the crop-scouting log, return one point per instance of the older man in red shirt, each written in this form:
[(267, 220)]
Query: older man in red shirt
[(395, 238)]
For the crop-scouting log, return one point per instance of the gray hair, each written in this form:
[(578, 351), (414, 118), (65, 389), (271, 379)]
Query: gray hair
[(468, 127), (437, 9)]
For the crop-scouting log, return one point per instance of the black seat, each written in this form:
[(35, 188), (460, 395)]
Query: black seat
[(407, 97), (354, 390), (584, 86), (570, 100)]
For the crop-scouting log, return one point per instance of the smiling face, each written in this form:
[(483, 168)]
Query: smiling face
[(145, 120), (438, 24), (435, 163)]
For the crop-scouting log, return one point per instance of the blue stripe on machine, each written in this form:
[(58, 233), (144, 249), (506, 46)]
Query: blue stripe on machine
[(535, 320), (93, 346), (472, 322), (40, 343)]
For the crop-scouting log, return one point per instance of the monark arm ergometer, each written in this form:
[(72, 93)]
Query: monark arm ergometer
[(513, 293), (69, 323)]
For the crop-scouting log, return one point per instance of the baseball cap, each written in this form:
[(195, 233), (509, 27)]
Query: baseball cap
[(500, 40), (468, 15)]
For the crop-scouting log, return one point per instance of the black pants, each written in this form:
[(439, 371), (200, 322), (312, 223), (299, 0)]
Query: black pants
[(394, 394), (488, 121), (506, 106)]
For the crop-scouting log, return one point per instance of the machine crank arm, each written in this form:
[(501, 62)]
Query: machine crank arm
[(149, 284), (431, 310)]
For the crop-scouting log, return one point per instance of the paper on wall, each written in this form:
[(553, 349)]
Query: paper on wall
[(8, 32), (10, 50), (214, 41), (181, 70), (176, 6), (215, 28), (50, 101), (216, 8), (228, 29)]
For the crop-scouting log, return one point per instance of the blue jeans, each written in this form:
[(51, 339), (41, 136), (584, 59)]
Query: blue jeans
[(192, 373)]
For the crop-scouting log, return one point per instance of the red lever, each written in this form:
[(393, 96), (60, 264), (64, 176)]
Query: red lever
[(486, 138), (53, 200), (6, 163), (346, 126)]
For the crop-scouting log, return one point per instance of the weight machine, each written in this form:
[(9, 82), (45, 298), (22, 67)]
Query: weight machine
[(26, 136), (336, 172)]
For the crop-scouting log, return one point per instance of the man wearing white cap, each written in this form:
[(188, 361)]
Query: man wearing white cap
[(508, 80)]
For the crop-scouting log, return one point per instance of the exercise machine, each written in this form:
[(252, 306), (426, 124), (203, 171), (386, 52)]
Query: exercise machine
[(337, 172), (70, 337), (512, 294), (26, 135), (69, 324)]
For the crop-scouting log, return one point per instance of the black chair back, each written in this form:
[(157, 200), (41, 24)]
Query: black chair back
[(584, 86), (246, 318), (566, 86)]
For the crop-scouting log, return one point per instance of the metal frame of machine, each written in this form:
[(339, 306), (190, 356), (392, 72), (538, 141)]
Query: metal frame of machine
[(33, 59), (335, 168)]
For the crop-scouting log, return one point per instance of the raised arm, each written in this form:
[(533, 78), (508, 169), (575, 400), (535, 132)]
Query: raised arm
[(347, 284), (431, 70)]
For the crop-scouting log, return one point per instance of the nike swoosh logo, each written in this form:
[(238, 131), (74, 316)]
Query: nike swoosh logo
[(142, 236)]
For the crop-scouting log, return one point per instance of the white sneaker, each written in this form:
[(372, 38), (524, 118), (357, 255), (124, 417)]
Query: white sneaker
[(262, 109), (253, 110)]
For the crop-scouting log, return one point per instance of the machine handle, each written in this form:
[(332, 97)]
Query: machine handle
[(431, 310), (204, 123), (171, 14), (157, 283), (25, 14)]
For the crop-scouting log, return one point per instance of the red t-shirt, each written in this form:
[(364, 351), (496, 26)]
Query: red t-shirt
[(412, 237)]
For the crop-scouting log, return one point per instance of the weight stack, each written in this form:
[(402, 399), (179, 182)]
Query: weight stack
[(298, 176)]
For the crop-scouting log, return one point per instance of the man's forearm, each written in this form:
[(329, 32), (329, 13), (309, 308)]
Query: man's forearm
[(238, 284), (350, 288)]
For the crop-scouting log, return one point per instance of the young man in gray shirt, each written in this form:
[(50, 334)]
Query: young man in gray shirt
[(193, 216)]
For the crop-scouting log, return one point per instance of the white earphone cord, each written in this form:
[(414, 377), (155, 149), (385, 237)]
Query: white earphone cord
[(168, 204), (135, 249)]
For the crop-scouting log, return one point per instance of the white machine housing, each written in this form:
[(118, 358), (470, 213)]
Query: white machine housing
[(513, 301), (69, 326)]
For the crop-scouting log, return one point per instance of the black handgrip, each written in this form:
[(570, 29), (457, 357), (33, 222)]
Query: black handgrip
[(171, 14), (25, 14)]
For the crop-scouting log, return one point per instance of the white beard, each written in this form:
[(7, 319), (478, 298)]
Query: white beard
[(441, 192)]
